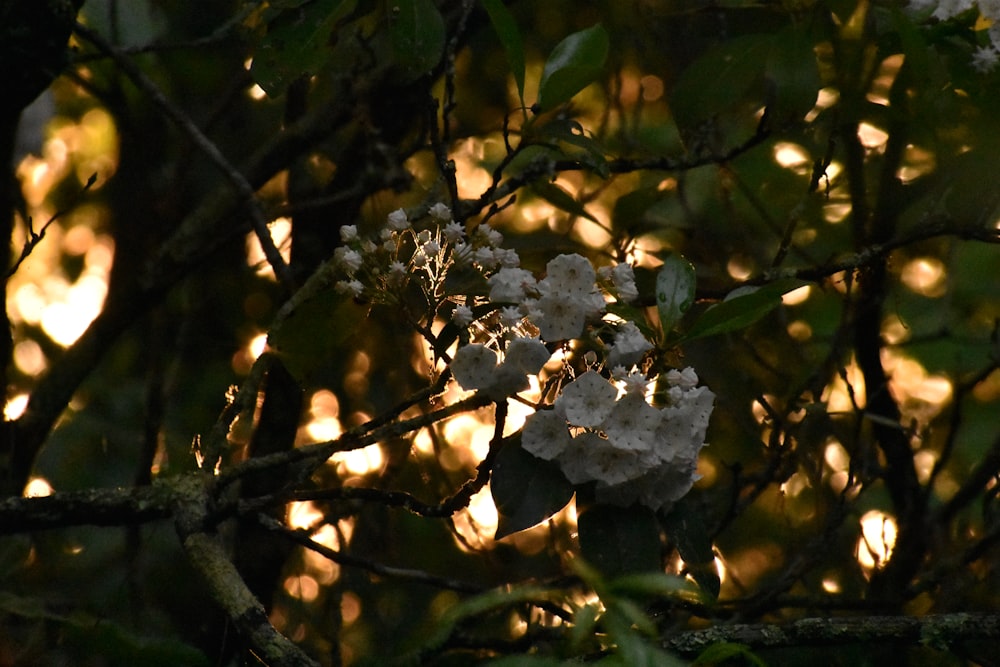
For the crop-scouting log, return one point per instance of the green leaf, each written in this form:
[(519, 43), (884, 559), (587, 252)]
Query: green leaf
[(717, 654), (526, 490), (675, 285), (576, 62), (510, 37), (656, 584), (314, 331), (619, 540), (792, 75), (561, 199), (571, 132), (297, 43), (686, 528), (741, 308), (720, 79), (418, 35)]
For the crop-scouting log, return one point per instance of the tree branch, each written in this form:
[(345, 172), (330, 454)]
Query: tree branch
[(936, 630)]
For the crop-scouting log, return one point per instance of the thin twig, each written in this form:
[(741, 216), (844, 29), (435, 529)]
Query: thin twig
[(35, 238)]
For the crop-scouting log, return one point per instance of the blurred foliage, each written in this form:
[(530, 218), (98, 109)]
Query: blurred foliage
[(772, 156)]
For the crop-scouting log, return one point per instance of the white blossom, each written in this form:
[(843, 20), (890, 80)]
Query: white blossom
[(623, 278), (984, 59), (398, 221), (348, 259), (453, 232), (545, 435), (350, 287), (348, 233), (462, 315), (474, 366), (587, 401), (440, 212), (510, 285), (629, 346)]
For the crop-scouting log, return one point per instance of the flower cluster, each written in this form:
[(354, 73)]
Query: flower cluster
[(634, 451), (379, 269), (984, 58), (594, 430)]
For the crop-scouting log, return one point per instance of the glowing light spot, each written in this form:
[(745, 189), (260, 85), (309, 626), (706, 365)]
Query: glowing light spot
[(925, 276), (924, 461), (878, 537), (872, 137), (800, 330), (739, 268), (792, 156), (324, 408), (361, 461), (652, 87), (29, 357), (836, 456), (303, 587), (303, 515), (836, 212), (37, 487), (831, 585), (350, 608), (795, 484), (257, 345), (894, 330), (838, 393), (281, 235), (825, 98), (797, 296)]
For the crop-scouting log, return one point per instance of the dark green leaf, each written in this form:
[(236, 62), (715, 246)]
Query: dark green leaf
[(717, 654), (576, 62), (561, 199), (720, 79), (510, 37), (619, 540), (526, 490), (741, 309), (687, 530), (313, 332), (675, 285), (571, 132), (297, 43), (418, 35), (792, 75), (656, 584)]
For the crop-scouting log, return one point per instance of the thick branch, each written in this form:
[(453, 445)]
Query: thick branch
[(93, 507), (938, 630)]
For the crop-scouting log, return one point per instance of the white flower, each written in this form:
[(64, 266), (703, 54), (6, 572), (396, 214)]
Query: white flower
[(508, 285), (635, 382), (570, 274), (545, 435), (350, 287), (984, 59), (686, 379), (462, 315), (587, 401), (633, 424), (440, 212), (527, 355), (398, 221), (623, 278), (453, 232), (484, 257), (575, 458), (629, 346), (557, 319), (419, 259), (507, 257), (397, 269), (347, 259), (489, 236), (510, 316), (474, 366), (431, 247), (348, 233)]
